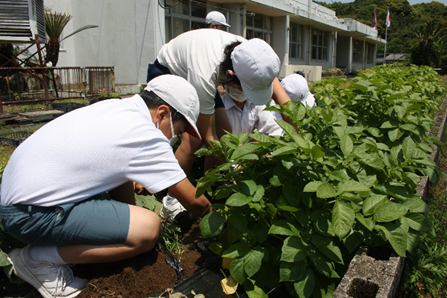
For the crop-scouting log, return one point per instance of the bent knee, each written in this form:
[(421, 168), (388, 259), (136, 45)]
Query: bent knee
[(143, 229)]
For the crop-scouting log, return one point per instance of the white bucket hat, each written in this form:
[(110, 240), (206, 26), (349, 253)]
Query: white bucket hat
[(215, 17), (256, 65), (298, 90), (181, 95)]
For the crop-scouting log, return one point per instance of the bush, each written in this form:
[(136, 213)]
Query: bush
[(291, 211)]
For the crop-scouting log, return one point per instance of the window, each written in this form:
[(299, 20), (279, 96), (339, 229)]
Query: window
[(296, 41), (371, 48), (259, 26), (358, 51), (184, 16), (320, 45)]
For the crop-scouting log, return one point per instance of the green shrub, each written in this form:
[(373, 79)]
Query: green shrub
[(292, 210)]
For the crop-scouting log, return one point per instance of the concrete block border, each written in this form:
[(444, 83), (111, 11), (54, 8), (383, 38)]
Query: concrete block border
[(374, 272)]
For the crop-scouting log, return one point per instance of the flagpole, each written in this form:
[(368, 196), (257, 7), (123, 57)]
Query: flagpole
[(387, 24), (384, 53)]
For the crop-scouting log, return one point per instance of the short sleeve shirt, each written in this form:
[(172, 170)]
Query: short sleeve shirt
[(250, 117), (196, 55), (88, 151)]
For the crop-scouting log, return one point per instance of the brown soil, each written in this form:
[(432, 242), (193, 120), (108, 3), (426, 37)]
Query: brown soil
[(146, 275)]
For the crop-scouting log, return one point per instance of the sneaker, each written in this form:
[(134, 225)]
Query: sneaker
[(50, 280), (171, 208)]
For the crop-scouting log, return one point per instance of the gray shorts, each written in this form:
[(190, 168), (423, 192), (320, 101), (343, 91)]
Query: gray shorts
[(94, 221)]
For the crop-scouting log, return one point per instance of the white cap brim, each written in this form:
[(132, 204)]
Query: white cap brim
[(258, 97), (192, 129)]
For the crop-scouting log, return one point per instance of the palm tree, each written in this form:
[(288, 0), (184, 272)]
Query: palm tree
[(432, 41), (54, 25)]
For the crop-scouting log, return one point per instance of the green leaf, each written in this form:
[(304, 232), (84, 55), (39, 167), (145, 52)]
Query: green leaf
[(259, 194), (284, 227), (389, 211), (253, 291), (339, 175), (416, 205), (326, 190), (417, 222), (327, 247), (395, 134), (248, 187), (4, 259), (322, 264), (396, 236), (312, 186), (211, 225), (305, 287), (408, 148), (291, 271), (366, 222), (248, 148), (351, 186), (253, 261), (388, 124), (284, 150), (293, 250), (343, 217), (238, 199), (317, 152), (372, 203), (346, 144), (237, 270), (236, 250), (274, 180)]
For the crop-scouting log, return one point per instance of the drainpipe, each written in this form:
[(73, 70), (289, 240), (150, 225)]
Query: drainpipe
[(364, 53), (334, 50), (350, 55), (309, 9), (309, 50), (244, 20)]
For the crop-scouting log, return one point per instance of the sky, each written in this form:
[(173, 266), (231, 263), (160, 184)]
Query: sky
[(411, 1)]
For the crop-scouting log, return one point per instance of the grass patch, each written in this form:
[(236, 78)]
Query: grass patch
[(425, 273)]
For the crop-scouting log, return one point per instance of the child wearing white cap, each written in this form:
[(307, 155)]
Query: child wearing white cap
[(216, 20), (49, 186), (298, 90), (245, 117), (198, 56)]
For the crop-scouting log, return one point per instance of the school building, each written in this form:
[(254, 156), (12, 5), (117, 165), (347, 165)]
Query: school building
[(305, 35)]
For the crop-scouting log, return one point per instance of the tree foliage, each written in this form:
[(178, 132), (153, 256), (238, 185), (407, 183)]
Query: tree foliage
[(406, 19)]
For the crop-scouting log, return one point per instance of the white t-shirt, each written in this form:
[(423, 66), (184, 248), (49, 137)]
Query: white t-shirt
[(88, 151), (251, 117), (196, 55)]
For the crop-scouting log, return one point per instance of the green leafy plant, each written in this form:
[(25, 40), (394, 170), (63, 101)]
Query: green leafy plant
[(292, 210), (103, 94), (427, 271), (172, 239)]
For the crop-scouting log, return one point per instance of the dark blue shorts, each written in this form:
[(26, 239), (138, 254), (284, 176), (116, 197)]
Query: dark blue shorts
[(156, 69)]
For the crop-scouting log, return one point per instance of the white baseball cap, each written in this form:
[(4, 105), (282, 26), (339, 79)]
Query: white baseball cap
[(215, 17), (181, 95), (297, 89), (256, 65)]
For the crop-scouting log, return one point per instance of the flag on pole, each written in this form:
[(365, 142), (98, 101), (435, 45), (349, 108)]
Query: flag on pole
[(375, 20), (388, 18)]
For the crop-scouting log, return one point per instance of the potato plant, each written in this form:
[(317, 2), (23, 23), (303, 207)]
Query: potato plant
[(290, 211)]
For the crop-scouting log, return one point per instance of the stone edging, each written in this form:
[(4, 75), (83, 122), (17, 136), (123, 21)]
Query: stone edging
[(372, 276)]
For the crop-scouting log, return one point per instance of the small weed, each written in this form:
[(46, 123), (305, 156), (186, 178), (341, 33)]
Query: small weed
[(172, 239)]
